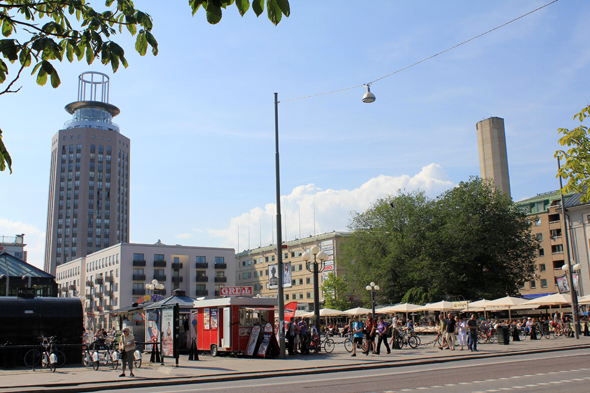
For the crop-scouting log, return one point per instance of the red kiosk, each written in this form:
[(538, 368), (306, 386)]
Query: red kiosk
[(225, 325)]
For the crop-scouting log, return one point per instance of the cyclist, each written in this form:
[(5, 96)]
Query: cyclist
[(529, 325)]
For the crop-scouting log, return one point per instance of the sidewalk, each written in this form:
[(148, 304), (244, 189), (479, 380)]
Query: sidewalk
[(223, 368)]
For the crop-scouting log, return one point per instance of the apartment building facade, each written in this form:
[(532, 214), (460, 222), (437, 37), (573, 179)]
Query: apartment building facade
[(254, 268), (116, 277)]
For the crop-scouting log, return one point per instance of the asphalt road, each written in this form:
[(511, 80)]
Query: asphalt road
[(567, 371)]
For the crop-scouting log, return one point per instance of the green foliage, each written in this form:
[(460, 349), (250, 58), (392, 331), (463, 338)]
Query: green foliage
[(42, 45), (275, 8), (577, 158), (469, 242), (5, 160), (335, 293)]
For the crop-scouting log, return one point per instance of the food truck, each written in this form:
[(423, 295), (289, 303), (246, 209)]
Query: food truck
[(225, 324)]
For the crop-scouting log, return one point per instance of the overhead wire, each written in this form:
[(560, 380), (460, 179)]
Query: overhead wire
[(425, 59)]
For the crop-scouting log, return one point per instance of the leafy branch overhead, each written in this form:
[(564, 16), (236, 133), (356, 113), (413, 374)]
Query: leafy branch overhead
[(577, 158), (47, 31)]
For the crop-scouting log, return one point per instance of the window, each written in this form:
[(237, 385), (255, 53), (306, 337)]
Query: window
[(221, 273), (542, 267), (538, 221), (201, 273), (309, 280), (138, 272), (556, 249), (533, 284), (541, 252), (540, 237), (201, 287), (244, 276), (287, 296), (310, 295), (219, 260), (286, 255), (158, 257), (543, 283), (201, 260), (159, 273), (137, 286)]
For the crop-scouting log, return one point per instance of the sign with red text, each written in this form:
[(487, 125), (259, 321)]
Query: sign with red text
[(236, 291)]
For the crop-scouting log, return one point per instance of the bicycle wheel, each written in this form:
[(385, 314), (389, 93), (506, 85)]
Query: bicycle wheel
[(412, 342), (522, 334), (418, 340), (44, 360), (329, 345), (137, 363), (61, 358), (348, 345), (32, 358)]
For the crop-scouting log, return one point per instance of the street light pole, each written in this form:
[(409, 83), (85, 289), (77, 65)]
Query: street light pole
[(569, 261), (279, 235), (317, 268), (373, 288)]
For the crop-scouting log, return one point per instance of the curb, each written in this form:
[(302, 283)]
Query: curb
[(170, 381)]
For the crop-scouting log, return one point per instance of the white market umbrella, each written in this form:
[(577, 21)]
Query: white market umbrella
[(443, 305), (478, 306), (508, 302), (325, 312), (551, 300), (358, 311)]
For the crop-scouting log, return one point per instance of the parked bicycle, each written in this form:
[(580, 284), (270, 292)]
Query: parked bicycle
[(51, 357), (349, 342)]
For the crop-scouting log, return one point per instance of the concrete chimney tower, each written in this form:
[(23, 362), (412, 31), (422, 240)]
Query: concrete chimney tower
[(493, 159)]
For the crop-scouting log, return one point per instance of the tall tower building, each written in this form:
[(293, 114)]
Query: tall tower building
[(493, 159), (88, 206)]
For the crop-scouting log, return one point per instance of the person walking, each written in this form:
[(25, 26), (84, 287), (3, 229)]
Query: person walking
[(303, 336), (127, 345), (357, 334), (382, 335), (461, 331), (442, 332), (370, 329), (472, 325)]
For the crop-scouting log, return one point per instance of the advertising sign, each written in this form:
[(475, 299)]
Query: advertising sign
[(167, 325), (214, 318), (236, 291), (273, 279), (152, 328), (206, 319), (328, 267), (253, 340)]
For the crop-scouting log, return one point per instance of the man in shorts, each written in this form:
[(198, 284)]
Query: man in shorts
[(370, 329), (357, 334)]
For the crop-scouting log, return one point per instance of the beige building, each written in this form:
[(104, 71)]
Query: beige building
[(14, 245), (254, 267), (116, 277), (88, 207), (544, 214), (578, 214), (493, 158)]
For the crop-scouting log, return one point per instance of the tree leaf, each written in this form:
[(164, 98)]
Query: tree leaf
[(141, 43), (55, 81), (273, 11), (284, 6), (6, 28), (258, 7), (243, 6), (152, 41), (5, 159)]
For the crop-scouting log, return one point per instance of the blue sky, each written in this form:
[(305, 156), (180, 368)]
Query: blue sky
[(200, 115)]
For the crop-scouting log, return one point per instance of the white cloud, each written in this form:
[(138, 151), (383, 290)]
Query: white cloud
[(331, 208), (34, 239), (184, 236)]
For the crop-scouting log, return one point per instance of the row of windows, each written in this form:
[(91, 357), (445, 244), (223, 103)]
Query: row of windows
[(103, 262), (160, 257), (297, 296)]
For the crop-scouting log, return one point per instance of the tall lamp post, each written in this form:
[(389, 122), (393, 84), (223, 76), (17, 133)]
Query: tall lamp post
[(373, 288), (367, 98), (154, 286), (569, 261), (315, 267)]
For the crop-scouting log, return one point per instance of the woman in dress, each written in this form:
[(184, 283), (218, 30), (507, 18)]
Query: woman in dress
[(462, 331)]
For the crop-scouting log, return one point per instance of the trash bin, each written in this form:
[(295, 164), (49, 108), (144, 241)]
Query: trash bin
[(503, 333)]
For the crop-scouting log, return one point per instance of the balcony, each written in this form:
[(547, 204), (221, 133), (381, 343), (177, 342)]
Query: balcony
[(89, 296), (98, 281), (202, 278), (138, 263), (108, 307), (139, 277), (64, 289), (108, 293), (176, 279), (161, 292), (177, 265), (89, 283), (110, 279), (138, 291), (88, 309), (72, 287), (220, 279), (159, 263), (202, 292), (202, 265), (221, 266), (160, 278)]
